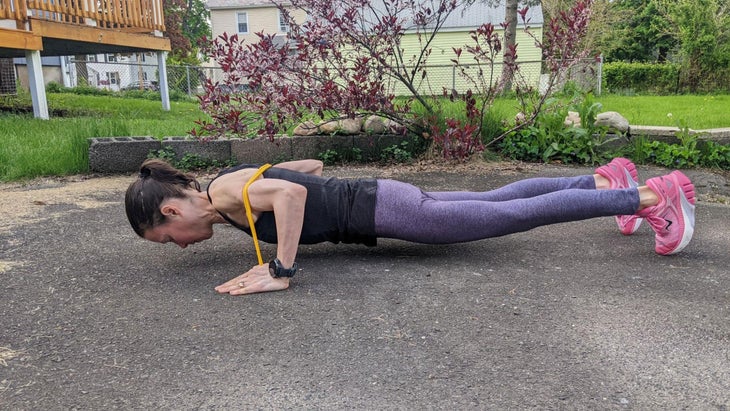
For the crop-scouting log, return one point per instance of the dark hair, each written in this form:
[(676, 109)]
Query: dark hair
[(157, 181)]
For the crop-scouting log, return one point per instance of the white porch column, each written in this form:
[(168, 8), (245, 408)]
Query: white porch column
[(162, 72), (37, 86)]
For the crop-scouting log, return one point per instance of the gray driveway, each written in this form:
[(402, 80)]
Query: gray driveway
[(571, 316)]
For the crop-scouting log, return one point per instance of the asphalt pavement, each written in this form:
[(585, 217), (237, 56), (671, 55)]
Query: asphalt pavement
[(569, 316)]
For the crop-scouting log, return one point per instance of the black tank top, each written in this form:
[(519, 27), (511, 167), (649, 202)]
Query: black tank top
[(336, 210)]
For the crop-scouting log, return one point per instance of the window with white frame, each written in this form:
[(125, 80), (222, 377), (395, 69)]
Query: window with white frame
[(113, 77), (283, 24), (242, 18), (111, 58)]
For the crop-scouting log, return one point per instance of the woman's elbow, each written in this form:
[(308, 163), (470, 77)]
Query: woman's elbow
[(317, 167), (296, 193)]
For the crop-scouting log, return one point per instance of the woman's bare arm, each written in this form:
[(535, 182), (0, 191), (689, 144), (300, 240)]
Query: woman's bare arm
[(303, 166), (286, 200)]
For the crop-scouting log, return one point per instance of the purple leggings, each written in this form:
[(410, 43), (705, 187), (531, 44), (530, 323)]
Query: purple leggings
[(405, 212)]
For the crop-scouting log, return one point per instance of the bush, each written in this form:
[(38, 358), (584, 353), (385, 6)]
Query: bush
[(550, 139), (85, 90), (55, 87), (621, 77)]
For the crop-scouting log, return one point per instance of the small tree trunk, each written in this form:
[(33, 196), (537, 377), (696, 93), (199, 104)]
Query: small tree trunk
[(510, 34)]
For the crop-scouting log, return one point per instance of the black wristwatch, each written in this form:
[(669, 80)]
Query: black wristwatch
[(277, 270)]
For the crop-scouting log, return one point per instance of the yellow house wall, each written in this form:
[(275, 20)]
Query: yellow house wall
[(441, 73), (264, 19)]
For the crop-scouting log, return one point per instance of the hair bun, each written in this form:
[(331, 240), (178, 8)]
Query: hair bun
[(144, 172)]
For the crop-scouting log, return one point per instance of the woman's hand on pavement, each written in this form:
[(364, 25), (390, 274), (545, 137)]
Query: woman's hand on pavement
[(256, 280)]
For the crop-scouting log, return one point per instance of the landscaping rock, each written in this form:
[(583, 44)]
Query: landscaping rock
[(381, 125), (572, 119), (308, 128), (341, 126), (329, 127), (613, 121), (350, 125)]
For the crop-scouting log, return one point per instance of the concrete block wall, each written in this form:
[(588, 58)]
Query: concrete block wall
[(217, 150), (120, 154), (125, 154), (261, 150)]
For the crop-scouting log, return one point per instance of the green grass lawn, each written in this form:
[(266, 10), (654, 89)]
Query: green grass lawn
[(59, 146), (31, 147), (698, 112)]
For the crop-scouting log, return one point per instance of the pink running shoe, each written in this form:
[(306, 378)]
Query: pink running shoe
[(621, 173), (673, 219)]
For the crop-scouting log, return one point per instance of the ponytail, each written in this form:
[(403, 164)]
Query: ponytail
[(156, 182)]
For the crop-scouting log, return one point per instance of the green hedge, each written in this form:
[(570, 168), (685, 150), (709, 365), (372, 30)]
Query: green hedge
[(651, 78)]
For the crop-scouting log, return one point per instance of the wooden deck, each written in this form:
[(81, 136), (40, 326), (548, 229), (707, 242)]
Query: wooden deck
[(67, 27)]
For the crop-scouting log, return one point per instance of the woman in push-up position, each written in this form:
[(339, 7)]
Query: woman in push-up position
[(291, 204)]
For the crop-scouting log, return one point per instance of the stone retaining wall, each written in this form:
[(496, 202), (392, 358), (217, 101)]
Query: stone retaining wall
[(125, 154)]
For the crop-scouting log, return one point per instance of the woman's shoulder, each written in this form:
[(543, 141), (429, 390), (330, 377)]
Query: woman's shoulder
[(244, 166), (225, 190)]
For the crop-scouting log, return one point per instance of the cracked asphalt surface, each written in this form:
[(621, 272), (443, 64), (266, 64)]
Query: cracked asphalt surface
[(570, 316)]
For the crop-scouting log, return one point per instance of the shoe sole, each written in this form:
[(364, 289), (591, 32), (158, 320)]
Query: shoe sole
[(687, 204)]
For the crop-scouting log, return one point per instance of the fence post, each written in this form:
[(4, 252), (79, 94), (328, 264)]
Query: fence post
[(453, 78), (187, 75), (600, 74)]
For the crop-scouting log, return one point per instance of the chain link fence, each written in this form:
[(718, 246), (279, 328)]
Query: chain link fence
[(7, 77), (125, 76), (121, 76), (140, 72)]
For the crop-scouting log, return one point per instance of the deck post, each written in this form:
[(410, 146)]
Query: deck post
[(37, 86), (164, 87)]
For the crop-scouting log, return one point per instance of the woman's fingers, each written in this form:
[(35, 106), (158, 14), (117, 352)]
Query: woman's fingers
[(256, 280), (231, 284)]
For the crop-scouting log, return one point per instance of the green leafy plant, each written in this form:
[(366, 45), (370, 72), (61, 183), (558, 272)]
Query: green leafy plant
[(715, 155), (550, 139), (329, 157), (165, 153), (397, 153), (354, 154), (189, 161), (689, 152)]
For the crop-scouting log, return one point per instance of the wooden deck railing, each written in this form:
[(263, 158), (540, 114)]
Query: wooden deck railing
[(126, 15), (13, 10)]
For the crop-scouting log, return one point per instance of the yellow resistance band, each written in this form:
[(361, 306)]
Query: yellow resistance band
[(247, 204)]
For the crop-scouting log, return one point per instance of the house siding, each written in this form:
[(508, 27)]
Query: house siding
[(260, 19), (441, 73)]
